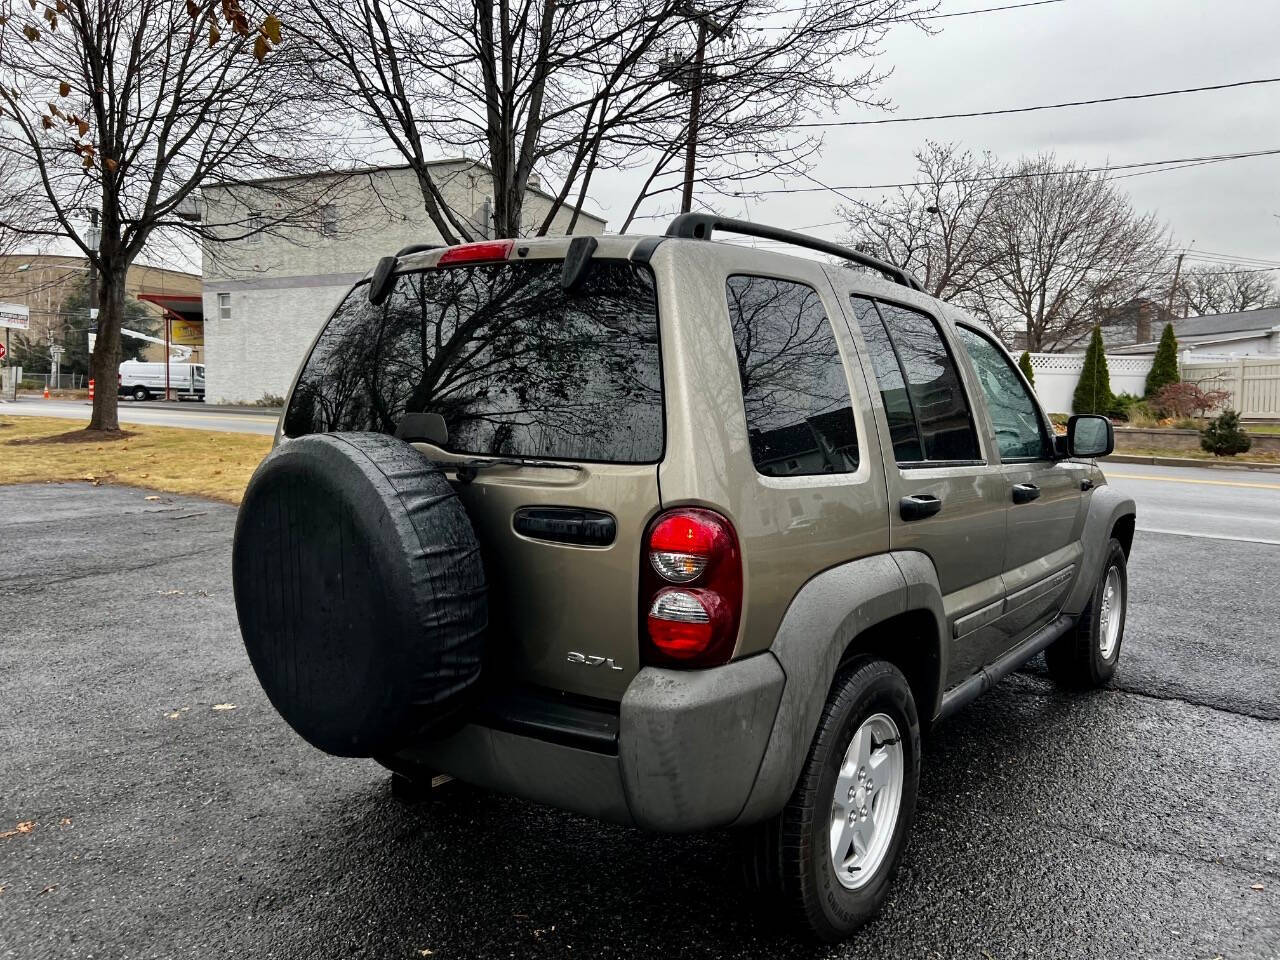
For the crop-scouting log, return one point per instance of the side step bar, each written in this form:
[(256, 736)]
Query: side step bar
[(971, 688)]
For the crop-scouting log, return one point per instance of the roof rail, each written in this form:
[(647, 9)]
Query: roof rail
[(699, 226), (417, 248)]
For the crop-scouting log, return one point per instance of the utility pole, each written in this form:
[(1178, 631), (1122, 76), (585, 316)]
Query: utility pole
[(695, 103), (1173, 287)]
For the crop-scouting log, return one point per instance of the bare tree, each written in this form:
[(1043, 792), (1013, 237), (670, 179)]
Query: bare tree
[(120, 110), (934, 229), (571, 89), (1065, 247), (1214, 288)]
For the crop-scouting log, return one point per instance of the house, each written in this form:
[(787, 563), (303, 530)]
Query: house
[(271, 280), (1245, 334)]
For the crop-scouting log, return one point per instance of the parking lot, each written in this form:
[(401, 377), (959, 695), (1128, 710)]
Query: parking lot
[(175, 815)]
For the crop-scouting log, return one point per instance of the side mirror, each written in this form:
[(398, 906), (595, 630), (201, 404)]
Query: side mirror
[(1090, 436)]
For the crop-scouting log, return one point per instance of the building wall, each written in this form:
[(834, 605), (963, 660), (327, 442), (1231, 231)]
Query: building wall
[(283, 287)]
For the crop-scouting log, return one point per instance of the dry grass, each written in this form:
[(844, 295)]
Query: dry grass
[(201, 462)]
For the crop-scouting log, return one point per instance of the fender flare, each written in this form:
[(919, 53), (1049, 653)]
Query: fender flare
[(1106, 507), (824, 618)]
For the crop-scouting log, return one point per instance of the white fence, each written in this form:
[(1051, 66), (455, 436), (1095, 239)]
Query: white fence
[(1253, 382), (1058, 373)]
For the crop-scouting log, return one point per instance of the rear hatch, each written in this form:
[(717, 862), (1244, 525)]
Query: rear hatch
[(552, 401)]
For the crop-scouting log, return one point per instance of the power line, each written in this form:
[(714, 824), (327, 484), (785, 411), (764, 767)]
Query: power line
[(1219, 158), (907, 19), (1044, 106)]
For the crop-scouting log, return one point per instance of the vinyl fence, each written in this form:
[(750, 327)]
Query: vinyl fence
[(1253, 382)]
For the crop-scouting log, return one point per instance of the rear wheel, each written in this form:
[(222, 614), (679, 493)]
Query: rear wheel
[(141, 393), (1087, 656), (833, 851)]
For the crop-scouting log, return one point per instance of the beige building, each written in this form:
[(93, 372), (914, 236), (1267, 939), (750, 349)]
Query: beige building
[(44, 283), (267, 294)]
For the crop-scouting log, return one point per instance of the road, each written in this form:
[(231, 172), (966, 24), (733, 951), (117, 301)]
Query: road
[(156, 413), (176, 815)]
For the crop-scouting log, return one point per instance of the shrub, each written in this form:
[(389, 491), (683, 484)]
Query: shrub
[(1164, 368), (1186, 399), (1224, 437), (1024, 364), (1123, 406), (269, 400), (1093, 391)]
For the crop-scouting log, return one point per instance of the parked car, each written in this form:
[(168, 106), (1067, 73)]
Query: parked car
[(673, 533), (142, 380)]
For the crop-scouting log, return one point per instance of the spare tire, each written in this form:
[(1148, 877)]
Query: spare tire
[(360, 591)]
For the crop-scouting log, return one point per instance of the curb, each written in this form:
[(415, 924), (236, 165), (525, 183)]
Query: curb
[(1191, 462)]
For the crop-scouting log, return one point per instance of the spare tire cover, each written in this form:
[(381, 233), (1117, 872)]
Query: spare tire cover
[(360, 591)]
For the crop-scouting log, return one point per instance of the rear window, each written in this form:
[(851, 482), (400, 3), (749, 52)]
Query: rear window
[(515, 365)]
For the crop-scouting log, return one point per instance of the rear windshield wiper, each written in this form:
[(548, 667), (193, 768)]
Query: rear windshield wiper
[(467, 469)]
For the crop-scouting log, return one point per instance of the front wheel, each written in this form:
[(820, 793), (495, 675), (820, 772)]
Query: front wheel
[(141, 393), (833, 851), (1087, 655)]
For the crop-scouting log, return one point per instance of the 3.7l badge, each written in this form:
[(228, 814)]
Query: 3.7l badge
[(592, 661)]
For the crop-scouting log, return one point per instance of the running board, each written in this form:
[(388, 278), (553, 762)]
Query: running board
[(970, 689)]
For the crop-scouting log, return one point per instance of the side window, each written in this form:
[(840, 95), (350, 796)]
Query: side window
[(1014, 414), (934, 385), (903, 430), (799, 418)]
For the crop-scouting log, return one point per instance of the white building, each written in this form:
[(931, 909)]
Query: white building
[(1250, 333), (267, 295)]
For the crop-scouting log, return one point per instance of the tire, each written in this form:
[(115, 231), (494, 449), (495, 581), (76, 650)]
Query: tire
[(140, 394), (1086, 656), (360, 592), (791, 856)]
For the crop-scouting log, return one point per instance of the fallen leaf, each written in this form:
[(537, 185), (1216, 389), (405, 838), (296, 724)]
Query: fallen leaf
[(150, 498), (171, 593), (173, 716), (224, 706), (1256, 886), (64, 822), (424, 952), (49, 889), (26, 826)]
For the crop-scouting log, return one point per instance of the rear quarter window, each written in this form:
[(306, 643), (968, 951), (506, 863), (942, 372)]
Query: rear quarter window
[(516, 365)]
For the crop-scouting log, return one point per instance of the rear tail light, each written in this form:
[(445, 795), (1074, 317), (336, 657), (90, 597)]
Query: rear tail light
[(486, 251), (691, 589)]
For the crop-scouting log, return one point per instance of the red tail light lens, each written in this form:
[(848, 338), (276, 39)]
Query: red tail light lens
[(487, 251), (691, 593)]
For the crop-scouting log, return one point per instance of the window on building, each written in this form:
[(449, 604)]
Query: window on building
[(794, 388), (329, 220), (921, 378), (224, 306), (1015, 416), (254, 226)]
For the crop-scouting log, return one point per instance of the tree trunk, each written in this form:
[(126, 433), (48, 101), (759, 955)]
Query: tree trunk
[(104, 365)]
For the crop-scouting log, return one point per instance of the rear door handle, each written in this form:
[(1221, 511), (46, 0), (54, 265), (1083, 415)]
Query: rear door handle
[(919, 506), (1025, 492)]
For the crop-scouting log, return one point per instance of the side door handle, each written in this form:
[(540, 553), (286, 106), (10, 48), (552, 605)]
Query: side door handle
[(919, 506), (1025, 492), (1086, 485)]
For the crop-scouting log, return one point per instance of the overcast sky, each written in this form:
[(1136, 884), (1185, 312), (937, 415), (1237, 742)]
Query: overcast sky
[(1076, 50)]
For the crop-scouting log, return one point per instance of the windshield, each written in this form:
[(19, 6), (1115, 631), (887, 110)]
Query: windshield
[(516, 365)]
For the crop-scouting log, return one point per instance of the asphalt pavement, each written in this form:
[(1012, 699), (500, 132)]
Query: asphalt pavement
[(156, 413), (176, 816)]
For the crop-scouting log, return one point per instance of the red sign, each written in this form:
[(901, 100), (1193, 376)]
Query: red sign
[(2, 351)]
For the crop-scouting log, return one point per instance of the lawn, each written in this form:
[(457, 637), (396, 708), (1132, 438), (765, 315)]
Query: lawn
[(202, 462)]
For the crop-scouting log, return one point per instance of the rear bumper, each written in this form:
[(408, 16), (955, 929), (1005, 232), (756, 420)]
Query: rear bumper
[(687, 749)]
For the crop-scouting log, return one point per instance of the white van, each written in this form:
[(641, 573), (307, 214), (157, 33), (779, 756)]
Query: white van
[(142, 381)]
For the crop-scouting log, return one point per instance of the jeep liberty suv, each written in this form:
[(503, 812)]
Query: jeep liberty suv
[(673, 533)]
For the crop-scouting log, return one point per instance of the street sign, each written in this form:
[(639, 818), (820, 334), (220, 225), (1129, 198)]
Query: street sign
[(15, 315)]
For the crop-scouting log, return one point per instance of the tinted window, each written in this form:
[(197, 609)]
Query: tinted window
[(793, 382), (1014, 414), (937, 395), (514, 364), (893, 388)]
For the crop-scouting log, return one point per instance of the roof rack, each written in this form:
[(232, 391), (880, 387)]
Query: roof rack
[(699, 226)]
